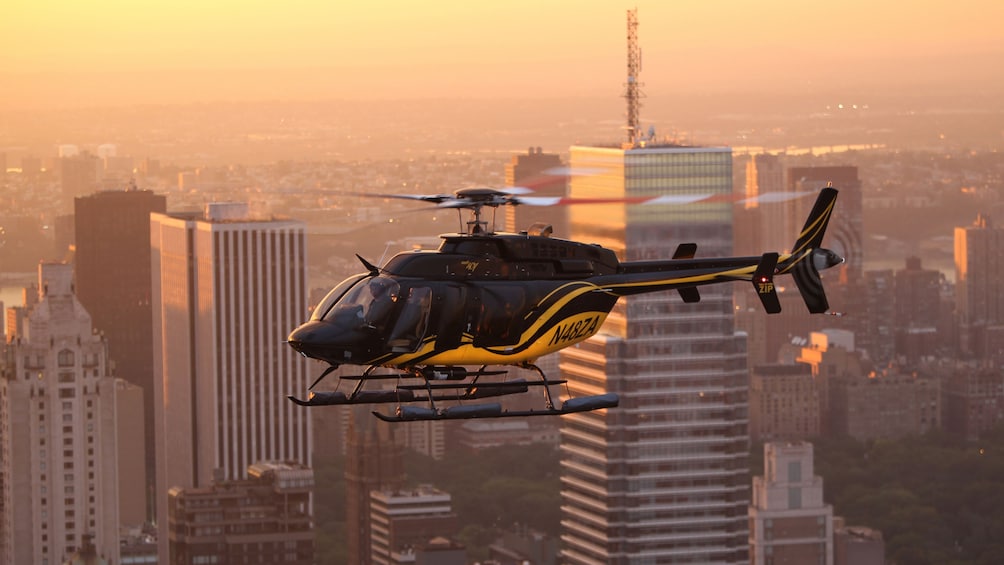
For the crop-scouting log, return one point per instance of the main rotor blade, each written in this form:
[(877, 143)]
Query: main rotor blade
[(666, 199)]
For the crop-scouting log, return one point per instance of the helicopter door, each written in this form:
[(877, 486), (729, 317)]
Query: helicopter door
[(413, 321), (453, 315), (501, 315)]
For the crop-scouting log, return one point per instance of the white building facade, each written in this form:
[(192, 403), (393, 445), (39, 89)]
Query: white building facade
[(227, 290), (58, 445)]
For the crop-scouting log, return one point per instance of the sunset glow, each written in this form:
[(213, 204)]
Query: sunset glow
[(305, 49)]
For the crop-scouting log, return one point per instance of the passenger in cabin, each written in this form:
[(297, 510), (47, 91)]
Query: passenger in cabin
[(383, 295)]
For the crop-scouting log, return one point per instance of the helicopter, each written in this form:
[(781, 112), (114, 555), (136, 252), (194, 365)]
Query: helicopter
[(487, 298)]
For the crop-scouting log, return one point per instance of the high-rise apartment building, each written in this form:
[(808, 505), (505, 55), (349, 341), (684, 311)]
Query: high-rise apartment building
[(979, 290), (227, 289), (663, 477), (112, 264), (59, 454), (918, 311), (789, 522)]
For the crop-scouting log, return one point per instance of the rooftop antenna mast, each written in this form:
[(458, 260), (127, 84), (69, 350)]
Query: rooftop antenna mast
[(633, 93)]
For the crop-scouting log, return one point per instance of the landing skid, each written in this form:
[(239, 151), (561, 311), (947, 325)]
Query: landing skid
[(406, 393), (450, 384), (494, 410)]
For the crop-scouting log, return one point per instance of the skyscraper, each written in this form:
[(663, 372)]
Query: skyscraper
[(979, 278), (59, 476), (226, 291), (789, 522), (918, 310), (112, 264), (663, 477)]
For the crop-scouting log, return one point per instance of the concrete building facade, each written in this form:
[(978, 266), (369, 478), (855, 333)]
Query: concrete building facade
[(59, 450), (227, 289)]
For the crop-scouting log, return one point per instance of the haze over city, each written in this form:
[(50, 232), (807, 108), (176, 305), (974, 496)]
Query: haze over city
[(489, 75), (110, 52)]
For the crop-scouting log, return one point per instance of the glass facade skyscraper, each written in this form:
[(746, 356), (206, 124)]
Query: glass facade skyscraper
[(663, 477)]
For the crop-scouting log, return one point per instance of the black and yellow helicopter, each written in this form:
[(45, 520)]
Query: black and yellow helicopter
[(495, 299)]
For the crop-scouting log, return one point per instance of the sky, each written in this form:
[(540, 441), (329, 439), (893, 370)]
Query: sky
[(54, 52)]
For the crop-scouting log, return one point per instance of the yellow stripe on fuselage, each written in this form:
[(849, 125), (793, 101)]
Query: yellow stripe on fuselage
[(564, 332), (567, 331)]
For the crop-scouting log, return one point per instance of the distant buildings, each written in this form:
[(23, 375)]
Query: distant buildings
[(543, 173), (885, 405), (63, 436), (918, 323), (404, 525), (265, 518), (485, 434), (374, 463), (78, 174), (979, 279), (789, 521), (973, 400), (226, 290), (785, 402), (857, 545), (680, 371)]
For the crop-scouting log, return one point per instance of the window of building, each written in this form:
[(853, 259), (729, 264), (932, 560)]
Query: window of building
[(65, 358), (794, 498), (794, 471)]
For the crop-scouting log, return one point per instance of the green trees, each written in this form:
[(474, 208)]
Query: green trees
[(936, 500)]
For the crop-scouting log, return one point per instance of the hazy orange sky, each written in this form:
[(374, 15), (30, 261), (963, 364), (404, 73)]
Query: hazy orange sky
[(54, 52)]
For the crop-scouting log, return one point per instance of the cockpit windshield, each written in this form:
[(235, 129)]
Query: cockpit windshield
[(333, 295), (370, 299)]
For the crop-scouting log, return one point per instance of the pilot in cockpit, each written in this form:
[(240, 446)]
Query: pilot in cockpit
[(383, 295)]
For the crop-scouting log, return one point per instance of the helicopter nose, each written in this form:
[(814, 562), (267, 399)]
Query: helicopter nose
[(306, 338)]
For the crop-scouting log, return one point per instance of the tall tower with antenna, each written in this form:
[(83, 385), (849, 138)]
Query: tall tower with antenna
[(632, 92)]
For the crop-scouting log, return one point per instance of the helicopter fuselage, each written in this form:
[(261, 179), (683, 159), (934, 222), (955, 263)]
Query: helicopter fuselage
[(498, 299)]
